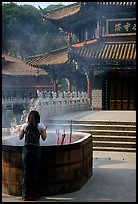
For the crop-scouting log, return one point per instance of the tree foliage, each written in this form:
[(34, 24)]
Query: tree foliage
[(25, 32)]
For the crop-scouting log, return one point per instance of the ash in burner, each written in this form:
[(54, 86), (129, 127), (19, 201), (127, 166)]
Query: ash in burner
[(13, 140)]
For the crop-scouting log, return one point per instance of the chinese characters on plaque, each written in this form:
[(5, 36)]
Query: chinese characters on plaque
[(121, 26)]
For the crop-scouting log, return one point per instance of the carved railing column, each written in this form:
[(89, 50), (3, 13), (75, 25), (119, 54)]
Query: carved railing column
[(68, 88), (89, 87), (56, 87), (89, 90)]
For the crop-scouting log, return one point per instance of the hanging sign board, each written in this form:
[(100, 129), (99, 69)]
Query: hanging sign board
[(120, 27)]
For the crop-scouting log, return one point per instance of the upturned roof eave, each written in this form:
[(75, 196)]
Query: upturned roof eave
[(49, 59), (53, 14), (101, 62), (69, 11)]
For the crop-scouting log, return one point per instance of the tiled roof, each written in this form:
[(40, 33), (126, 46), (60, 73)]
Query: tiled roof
[(15, 66), (115, 49), (111, 50), (18, 74), (117, 3), (75, 8), (63, 11), (55, 57)]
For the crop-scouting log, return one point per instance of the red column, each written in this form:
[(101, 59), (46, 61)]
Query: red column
[(68, 87), (55, 86), (89, 90)]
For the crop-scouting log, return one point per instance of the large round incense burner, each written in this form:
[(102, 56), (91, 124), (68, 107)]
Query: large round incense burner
[(64, 168)]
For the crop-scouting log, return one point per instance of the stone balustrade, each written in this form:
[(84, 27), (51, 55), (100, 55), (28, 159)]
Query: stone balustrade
[(11, 100), (61, 104), (50, 103)]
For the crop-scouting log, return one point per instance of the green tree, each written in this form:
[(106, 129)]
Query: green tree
[(25, 32)]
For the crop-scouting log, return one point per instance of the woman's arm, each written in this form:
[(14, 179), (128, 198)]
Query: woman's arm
[(21, 133), (43, 134)]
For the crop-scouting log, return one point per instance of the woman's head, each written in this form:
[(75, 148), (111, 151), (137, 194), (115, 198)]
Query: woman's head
[(33, 117)]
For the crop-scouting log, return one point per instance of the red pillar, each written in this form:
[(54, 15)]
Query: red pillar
[(56, 87), (89, 90), (68, 87)]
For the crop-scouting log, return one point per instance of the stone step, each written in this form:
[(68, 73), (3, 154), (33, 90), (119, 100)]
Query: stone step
[(93, 127), (104, 122), (115, 149), (133, 123), (114, 144), (109, 132), (107, 135), (114, 138), (104, 127), (96, 126)]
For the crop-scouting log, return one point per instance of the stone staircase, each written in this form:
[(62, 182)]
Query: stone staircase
[(107, 135)]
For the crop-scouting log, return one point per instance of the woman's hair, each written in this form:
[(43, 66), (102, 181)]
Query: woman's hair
[(33, 118)]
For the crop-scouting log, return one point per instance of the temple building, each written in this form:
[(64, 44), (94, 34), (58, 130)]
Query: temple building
[(103, 61), (20, 82)]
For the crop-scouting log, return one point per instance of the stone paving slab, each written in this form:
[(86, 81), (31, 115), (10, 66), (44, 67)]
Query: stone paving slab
[(98, 115), (113, 180)]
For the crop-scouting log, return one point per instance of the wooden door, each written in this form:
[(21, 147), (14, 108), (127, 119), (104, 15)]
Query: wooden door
[(120, 94)]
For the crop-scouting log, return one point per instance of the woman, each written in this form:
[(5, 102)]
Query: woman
[(31, 155)]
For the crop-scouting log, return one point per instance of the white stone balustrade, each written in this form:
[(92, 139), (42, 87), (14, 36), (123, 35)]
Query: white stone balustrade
[(12, 101), (61, 104), (47, 103)]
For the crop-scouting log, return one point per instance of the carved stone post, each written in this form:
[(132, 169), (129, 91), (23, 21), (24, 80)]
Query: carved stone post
[(89, 90), (68, 88), (89, 86), (56, 87)]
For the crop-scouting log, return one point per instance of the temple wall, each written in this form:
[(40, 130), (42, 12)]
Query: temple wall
[(96, 99)]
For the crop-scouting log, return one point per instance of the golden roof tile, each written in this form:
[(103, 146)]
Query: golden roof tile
[(109, 50), (15, 66)]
